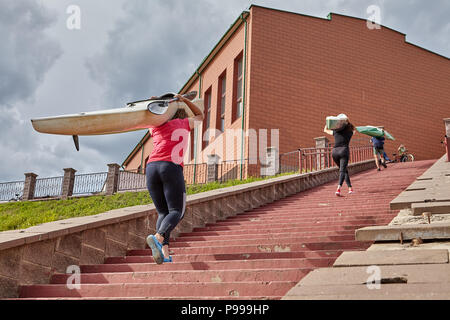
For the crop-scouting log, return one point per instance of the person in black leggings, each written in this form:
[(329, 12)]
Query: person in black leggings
[(165, 180), (165, 183), (341, 153)]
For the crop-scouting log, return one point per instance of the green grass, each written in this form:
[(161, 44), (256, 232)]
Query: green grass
[(21, 215)]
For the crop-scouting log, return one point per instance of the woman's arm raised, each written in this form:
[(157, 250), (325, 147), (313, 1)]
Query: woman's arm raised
[(198, 113), (327, 131)]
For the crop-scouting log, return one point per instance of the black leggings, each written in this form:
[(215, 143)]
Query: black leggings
[(165, 183), (340, 156)]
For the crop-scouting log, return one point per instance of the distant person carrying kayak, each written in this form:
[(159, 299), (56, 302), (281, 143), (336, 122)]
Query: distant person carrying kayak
[(341, 153), (378, 151), (165, 180)]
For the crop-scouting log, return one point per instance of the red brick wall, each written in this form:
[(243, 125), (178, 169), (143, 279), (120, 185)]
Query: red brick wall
[(304, 69), (222, 63)]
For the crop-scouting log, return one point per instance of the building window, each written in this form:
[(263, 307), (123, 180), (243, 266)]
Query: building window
[(239, 82), (221, 103), (207, 118)]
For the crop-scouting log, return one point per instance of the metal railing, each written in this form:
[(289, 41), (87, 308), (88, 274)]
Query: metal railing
[(313, 159), (289, 162), (228, 170), (195, 173), (130, 180), (48, 187), (90, 183), (11, 190)]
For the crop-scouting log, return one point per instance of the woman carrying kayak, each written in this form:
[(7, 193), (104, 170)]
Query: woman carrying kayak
[(164, 173), (341, 153)]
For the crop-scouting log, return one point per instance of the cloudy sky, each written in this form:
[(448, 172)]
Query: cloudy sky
[(130, 50)]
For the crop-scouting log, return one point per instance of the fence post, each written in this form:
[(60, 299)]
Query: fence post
[(322, 143), (112, 179), (212, 169), (29, 186), (447, 137), (68, 182)]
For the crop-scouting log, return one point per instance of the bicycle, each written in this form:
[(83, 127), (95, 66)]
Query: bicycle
[(406, 157)]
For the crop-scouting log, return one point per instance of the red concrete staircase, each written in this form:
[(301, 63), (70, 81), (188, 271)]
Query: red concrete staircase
[(259, 254)]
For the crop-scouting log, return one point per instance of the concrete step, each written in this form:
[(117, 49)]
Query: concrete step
[(300, 221), (307, 214), (253, 288), (280, 274), (392, 257), (315, 228), (295, 219), (253, 225), (252, 248), (263, 236), (211, 265), (270, 239), (220, 257), (404, 232)]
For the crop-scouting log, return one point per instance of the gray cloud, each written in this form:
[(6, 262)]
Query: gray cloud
[(155, 47), (425, 24), (27, 53)]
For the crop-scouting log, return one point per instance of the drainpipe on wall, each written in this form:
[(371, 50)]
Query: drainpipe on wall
[(142, 158), (195, 128), (244, 91)]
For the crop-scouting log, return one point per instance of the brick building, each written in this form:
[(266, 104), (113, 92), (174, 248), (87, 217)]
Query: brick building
[(281, 70)]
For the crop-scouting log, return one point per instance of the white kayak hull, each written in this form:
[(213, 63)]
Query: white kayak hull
[(130, 118)]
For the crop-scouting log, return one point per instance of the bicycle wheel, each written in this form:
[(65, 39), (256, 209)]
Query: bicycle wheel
[(410, 158)]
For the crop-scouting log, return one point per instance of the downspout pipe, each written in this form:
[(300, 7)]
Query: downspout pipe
[(195, 129), (142, 159), (244, 92)]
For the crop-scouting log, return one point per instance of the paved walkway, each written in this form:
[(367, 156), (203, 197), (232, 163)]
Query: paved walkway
[(260, 254)]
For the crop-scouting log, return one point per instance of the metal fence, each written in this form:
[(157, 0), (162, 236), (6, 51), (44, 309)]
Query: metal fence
[(130, 180), (195, 173), (229, 170), (290, 162), (11, 190), (90, 183), (313, 159), (48, 187)]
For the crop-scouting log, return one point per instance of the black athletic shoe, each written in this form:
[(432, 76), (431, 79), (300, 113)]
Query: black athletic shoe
[(384, 164)]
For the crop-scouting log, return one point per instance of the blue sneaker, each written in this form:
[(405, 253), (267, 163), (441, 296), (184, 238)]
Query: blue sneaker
[(156, 247), (168, 259)]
